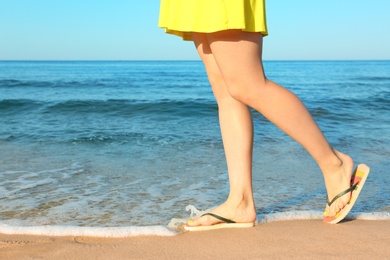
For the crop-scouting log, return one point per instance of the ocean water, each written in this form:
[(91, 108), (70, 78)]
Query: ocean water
[(119, 148)]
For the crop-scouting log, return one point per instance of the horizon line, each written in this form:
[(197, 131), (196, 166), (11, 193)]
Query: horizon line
[(164, 60)]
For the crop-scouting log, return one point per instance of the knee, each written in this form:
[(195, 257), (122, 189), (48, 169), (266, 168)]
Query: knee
[(218, 86), (240, 92), (237, 93), (245, 91)]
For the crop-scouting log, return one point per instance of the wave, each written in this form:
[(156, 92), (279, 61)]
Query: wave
[(127, 107), (13, 83), (21, 105), (373, 78), (124, 107), (306, 215), (86, 231), (172, 229), (348, 106), (184, 107)]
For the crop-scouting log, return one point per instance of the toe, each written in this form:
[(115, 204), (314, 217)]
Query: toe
[(194, 223), (190, 222), (338, 205)]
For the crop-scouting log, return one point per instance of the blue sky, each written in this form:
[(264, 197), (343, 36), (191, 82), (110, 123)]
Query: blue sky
[(127, 30)]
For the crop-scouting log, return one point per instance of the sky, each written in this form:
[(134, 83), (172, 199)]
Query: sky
[(127, 30)]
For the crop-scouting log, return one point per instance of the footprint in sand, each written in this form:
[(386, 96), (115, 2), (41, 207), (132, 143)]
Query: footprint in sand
[(13, 243), (91, 240)]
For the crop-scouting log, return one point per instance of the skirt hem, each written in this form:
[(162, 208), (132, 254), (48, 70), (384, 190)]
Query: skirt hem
[(187, 35)]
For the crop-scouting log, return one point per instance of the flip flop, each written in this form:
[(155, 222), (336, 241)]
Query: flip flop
[(227, 224), (358, 179)]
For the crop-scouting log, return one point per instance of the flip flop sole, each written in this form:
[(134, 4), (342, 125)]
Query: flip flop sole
[(219, 226), (360, 177)]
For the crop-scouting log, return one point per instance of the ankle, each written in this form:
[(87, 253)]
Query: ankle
[(331, 164), (241, 201)]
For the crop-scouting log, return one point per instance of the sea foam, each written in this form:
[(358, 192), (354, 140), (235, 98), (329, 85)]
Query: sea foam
[(306, 215), (115, 232), (172, 229)]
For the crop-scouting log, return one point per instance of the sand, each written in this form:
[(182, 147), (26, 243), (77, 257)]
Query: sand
[(296, 239)]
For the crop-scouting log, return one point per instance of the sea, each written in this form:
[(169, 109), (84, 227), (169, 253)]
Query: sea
[(129, 148)]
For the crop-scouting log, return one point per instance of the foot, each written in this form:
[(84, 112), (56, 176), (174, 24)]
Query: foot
[(337, 179), (239, 213)]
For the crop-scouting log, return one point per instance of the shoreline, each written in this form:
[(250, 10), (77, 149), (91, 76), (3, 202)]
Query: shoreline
[(171, 229), (358, 239)]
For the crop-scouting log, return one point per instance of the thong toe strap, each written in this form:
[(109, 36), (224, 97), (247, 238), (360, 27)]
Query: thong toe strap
[(220, 218), (353, 187)]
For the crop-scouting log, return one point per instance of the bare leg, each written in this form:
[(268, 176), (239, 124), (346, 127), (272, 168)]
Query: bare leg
[(237, 55), (237, 135)]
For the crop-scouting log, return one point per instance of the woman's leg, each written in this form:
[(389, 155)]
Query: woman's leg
[(238, 58), (237, 55), (237, 135)]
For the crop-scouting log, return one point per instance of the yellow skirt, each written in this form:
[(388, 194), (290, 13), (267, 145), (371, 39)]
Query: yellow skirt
[(182, 17)]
